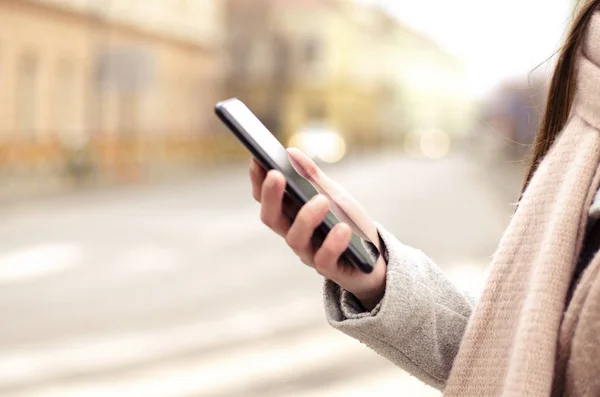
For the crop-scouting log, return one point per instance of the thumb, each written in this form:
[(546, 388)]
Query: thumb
[(304, 165), (310, 171), (343, 205)]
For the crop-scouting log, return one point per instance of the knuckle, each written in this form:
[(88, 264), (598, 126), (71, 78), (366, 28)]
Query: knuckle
[(266, 219), (265, 191), (319, 268), (293, 242), (313, 171), (307, 261), (274, 177), (328, 250), (312, 213), (306, 219), (321, 271), (321, 265)]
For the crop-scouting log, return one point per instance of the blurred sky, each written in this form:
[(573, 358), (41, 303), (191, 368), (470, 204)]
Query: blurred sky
[(496, 39)]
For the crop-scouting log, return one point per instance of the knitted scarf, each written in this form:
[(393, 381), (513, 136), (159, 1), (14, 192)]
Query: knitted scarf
[(524, 338)]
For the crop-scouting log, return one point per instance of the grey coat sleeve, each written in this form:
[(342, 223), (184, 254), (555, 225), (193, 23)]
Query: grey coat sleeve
[(419, 323)]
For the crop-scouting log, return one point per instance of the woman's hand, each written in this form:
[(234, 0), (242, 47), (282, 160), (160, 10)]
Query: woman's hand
[(268, 189)]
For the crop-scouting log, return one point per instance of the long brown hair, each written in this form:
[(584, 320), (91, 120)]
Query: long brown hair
[(562, 87)]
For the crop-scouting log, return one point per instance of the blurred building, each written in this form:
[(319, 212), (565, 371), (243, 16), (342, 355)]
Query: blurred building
[(339, 66), (126, 88), (125, 82)]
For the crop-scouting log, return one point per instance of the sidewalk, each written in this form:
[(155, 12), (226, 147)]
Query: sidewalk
[(17, 189)]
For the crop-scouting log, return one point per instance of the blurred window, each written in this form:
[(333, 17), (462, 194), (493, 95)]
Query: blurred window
[(127, 69), (198, 102), (27, 95), (312, 54), (281, 60), (311, 51), (127, 113), (64, 100), (127, 75), (240, 51)]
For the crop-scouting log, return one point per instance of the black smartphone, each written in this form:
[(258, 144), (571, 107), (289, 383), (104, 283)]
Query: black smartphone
[(271, 154)]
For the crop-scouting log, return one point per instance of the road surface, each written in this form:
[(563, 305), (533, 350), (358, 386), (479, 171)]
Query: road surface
[(178, 290)]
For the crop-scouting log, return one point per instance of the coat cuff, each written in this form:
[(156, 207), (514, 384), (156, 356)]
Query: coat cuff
[(352, 309)]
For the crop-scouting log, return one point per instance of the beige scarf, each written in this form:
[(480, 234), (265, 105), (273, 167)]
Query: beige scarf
[(523, 339)]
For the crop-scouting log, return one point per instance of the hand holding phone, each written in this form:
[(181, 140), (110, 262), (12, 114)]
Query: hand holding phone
[(268, 188), (296, 197)]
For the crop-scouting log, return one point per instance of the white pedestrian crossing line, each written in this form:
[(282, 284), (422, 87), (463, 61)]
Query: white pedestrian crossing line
[(108, 352), (37, 261), (147, 258), (221, 372)]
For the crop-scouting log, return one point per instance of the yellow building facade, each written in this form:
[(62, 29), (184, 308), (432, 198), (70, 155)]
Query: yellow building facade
[(303, 64), (127, 82), (333, 81), (351, 67), (382, 80)]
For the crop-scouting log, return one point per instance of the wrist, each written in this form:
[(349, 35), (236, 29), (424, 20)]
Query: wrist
[(371, 296)]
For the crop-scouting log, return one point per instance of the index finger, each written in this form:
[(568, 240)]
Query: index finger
[(308, 170)]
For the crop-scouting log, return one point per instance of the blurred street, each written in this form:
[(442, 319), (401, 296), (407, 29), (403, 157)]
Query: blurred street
[(178, 290)]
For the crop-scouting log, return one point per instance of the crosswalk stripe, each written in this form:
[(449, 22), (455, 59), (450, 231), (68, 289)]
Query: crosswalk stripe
[(103, 353), (220, 372), (37, 261)]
